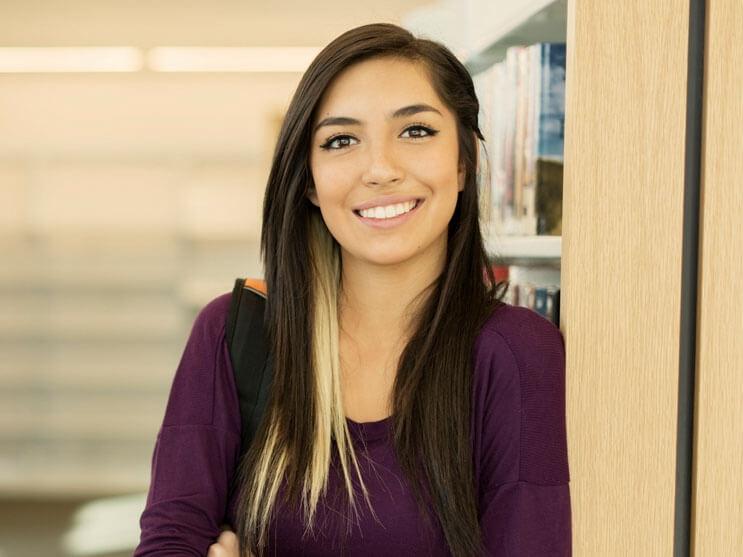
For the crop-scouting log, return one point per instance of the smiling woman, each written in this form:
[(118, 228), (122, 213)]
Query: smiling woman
[(389, 340)]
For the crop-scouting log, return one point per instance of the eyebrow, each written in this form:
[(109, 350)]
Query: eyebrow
[(399, 113)]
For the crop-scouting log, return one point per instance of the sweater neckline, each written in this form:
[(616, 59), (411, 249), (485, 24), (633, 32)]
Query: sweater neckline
[(370, 430)]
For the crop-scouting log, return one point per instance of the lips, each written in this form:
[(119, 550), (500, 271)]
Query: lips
[(385, 200), (391, 222), (418, 201)]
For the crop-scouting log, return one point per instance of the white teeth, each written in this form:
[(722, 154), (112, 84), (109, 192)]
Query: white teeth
[(388, 211)]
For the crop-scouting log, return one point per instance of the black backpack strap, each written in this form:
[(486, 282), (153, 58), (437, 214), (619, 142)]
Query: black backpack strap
[(232, 314), (244, 332)]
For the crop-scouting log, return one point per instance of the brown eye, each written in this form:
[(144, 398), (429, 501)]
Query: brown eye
[(429, 131), (331, 140)]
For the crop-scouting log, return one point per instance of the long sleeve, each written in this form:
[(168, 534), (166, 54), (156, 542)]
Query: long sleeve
[(519, 436), (197, 447)]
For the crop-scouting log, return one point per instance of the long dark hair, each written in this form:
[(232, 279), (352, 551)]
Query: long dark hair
[(304, 420)]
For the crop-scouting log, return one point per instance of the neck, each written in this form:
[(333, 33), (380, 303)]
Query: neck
[(378, 302)]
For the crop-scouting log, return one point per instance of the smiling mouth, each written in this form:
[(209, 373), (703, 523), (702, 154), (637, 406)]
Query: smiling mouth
[(413, 208)]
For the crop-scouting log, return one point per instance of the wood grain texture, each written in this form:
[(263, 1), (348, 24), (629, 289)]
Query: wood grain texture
[(621, 269), (717, 516)]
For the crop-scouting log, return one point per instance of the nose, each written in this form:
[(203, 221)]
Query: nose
[(382, 167)]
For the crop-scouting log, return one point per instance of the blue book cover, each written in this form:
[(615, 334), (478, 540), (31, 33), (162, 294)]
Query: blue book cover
[(542, 195), (540, 301), (551, 113)]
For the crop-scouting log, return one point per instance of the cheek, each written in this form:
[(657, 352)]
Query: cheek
[(329, 183), (437, 171)]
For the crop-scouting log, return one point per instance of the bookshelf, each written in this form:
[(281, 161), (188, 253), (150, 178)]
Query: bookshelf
[(522, 188)]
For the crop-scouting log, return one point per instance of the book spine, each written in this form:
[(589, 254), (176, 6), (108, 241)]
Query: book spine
[(550, 140), (528, 218), (510, 112), (498, 172), (552, 113), (522, 65)]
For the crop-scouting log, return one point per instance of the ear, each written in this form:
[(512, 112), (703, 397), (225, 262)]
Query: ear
[(461, 174), (312, 196)]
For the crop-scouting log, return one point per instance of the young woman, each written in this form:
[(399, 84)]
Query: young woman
[(412, 411)]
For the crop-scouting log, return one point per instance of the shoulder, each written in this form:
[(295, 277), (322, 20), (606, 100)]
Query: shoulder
[(211, 317), (524, 331), (533, 344), (520, 372), (191, 398)]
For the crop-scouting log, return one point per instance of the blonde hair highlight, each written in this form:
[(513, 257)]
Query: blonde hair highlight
[(330, 419)]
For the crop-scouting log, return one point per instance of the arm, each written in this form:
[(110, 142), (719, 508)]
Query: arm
[(196, 448), (522, 518), (520, 438)]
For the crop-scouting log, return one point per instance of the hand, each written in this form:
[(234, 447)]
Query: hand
[(226, 546)]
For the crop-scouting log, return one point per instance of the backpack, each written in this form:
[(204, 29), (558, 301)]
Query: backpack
[(244, 333)]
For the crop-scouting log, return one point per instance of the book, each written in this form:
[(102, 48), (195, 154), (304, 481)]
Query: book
[(520, 131), (545, 139)]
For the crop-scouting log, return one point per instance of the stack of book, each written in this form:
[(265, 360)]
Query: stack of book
[(538, 293), (522, 103)]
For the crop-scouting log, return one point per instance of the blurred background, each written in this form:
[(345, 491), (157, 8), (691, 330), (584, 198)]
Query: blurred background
[(134, 151)]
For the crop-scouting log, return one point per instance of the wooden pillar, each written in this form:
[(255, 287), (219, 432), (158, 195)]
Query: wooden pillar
[(622, 248), (717, 518)]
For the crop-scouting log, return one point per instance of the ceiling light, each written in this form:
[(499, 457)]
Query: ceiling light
[(231, 59), (36, 59)]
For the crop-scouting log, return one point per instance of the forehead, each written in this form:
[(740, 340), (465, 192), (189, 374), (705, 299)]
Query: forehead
[(378, 84)]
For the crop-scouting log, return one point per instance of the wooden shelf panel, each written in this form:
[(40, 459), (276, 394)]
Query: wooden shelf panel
[(520, 23), (525, 250)]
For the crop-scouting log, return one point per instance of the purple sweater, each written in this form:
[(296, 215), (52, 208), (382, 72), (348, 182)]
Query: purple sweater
[(518, 438)]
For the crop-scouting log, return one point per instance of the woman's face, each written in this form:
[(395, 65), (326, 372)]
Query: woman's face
[(362, 152)]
